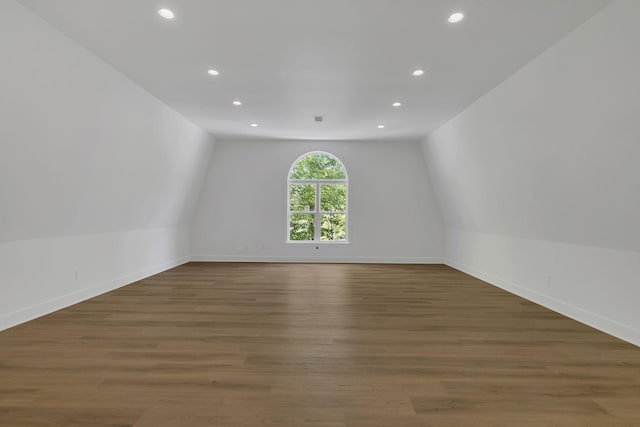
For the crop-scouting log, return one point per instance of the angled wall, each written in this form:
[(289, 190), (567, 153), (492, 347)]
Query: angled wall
[(539, 180), (392, 213), (98, 179)]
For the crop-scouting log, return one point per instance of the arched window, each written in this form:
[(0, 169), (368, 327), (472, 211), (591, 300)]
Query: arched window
[(317, 190)]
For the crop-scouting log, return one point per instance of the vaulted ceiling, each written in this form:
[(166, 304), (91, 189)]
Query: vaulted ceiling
[(290, 60)]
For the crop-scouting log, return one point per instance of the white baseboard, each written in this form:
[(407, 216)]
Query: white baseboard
[(611, 327), (38, 310), (314, 259)]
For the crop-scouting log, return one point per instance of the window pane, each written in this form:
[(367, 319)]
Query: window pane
[(333, 198), (333, 227), (318, 166), (302, 198), (301, 227)]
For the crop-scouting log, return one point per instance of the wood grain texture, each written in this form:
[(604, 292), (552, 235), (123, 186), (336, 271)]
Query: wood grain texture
[(345, 345)]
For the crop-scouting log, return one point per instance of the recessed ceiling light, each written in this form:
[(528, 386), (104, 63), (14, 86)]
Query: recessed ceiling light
[(237, 103), (456, 17), (418, 72), (213, 72), (166, 14), (254, 125), (380, 126), (397, 104)]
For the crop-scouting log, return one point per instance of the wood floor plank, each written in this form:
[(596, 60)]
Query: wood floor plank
[(343, 345)]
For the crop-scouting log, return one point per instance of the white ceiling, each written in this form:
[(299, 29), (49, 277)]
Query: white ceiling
[(288, 60)]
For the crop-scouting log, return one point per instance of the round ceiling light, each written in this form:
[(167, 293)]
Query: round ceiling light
[(417, 73), (397, 104), (237, 103), (166, 14), (456, 17), (380, 126), (213, 72), (254, 125)]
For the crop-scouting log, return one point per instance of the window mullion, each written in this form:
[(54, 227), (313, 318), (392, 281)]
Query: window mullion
[(316, 216)]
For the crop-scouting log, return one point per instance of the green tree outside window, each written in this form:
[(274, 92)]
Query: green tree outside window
[(317, 199)]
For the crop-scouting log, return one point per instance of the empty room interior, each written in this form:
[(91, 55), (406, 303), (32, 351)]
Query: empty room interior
[(338, 213)]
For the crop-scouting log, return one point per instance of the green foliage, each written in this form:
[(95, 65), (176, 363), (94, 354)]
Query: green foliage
[(318, 166), (333, 198), (301, 227), (302, 198), (333, 227)]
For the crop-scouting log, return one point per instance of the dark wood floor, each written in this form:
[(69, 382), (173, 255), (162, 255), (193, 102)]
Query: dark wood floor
[(314, 345)]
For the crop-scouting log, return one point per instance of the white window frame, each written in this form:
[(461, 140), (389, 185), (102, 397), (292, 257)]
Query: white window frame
[(318, 212)]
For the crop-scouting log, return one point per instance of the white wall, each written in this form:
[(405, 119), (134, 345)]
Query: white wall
[(242, 211), (96, 175), (540, 177)]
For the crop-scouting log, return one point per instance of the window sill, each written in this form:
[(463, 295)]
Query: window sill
[(312, 242)]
